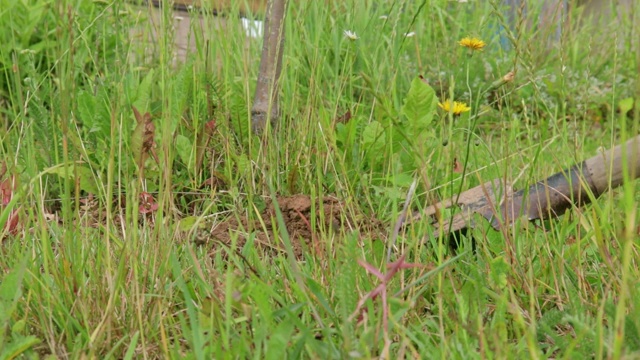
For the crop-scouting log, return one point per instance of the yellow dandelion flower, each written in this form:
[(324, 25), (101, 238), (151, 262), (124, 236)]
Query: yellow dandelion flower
[(458, 107), (472, 43)]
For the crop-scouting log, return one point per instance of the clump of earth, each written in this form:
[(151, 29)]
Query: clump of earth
[(330, 217)]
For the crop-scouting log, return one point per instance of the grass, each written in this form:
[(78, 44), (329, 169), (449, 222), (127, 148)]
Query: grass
[(87, 273)]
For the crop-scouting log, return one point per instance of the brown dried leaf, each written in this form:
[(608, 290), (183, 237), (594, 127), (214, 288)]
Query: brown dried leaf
[(344, 118), (12, 223), (142, 138), (457, 166), (7, 188), (210, 127)]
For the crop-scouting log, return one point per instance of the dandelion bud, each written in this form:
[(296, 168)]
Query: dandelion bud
[(509, 76)]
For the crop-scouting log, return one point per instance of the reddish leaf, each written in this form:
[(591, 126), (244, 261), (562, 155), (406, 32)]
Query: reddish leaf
[(216, 180), (142, 138), (344, 118), (7, 188), (210, 127), (370, 268), (12, 223), (457, 166), (6, 192), (400, 264), (147, 203), (381, 289)]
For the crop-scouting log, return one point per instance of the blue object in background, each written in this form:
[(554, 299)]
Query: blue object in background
[(552, 12)]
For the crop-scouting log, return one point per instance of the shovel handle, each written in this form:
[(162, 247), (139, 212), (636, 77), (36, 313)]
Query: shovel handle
[(607, 169), (554, 195)]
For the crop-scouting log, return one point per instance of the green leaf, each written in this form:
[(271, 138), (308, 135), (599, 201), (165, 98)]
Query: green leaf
[(94, 113), (18, 327), (279, 340), (373, 136), (388, 192), (17, 347), (189, 222), (401, 179), (184, 150), (132, 346), (10, 286), (499, 272), (87, 110), (625, 105), (317, 292), (419, 105), (10, 293), (85, 177), (142, 93), (346, 133), (243, 164)]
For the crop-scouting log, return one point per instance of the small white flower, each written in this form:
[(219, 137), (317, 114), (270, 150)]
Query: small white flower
[(410, 34), (350, 35)]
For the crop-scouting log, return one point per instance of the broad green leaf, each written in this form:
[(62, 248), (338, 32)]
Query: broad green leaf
[(10, 286), (419, 105), (398, 308), (18, 327), (184, 150), (373, 136), (279, 340), (16, 347), (401, 179), (243, 164), (389, 192), (189, 222), (10, 293), (499, 272), (142, 93), (86, 178), (95, 113), (625, 105), (87, 110)]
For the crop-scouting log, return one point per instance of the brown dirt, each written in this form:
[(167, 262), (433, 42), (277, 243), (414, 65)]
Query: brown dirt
[(296, 212)]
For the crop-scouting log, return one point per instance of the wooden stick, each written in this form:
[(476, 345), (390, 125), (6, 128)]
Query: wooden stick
[(266, 107)]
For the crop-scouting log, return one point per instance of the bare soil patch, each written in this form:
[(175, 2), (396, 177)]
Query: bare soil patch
[(330, 218)]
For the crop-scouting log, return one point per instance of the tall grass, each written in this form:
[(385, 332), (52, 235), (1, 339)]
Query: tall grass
[(86, 273)]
